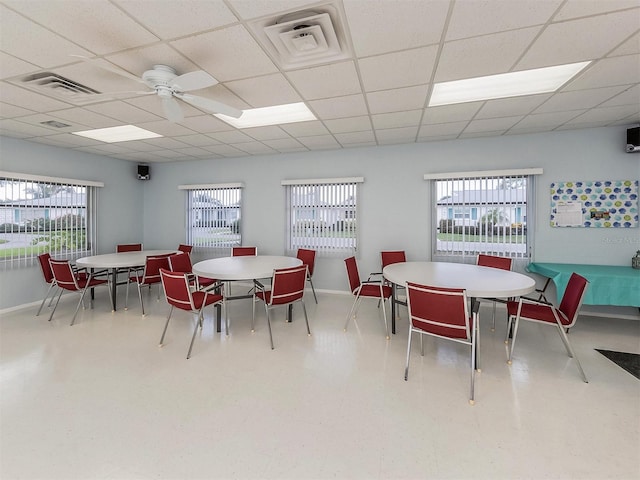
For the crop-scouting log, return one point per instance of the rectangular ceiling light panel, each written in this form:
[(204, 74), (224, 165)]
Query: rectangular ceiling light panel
[(515, 84), (124, 133), (276, 115)]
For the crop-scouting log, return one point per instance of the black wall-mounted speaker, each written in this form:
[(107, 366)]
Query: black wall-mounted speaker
[(633, 140), (143, 172)]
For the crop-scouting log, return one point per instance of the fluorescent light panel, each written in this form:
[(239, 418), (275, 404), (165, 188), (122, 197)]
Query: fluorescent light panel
[(276, 115), (515, 84), (124, 133)]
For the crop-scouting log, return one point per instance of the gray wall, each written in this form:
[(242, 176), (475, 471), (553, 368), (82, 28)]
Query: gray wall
[(394, 201)]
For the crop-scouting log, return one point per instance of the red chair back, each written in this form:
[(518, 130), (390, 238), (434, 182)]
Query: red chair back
[(176, 289), (390, 257), (185, 248), (308, 258), (180, 262), (128, 247), (573, 296), (287, 285), (152, 268), (439, 311), (352, 273), (244, 251), (46, 267), (63, 274), (503, 263)]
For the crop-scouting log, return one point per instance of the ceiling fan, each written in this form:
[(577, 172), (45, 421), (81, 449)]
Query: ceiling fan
[(169, 86)]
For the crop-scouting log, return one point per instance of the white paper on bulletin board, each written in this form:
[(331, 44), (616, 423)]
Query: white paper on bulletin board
[(597, 203)]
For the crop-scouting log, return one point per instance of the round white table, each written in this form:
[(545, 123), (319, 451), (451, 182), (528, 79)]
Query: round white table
[(242, 268), (479, 282), (114, 261)]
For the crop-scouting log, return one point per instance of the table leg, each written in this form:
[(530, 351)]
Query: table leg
[(114, 284), (393, 308)]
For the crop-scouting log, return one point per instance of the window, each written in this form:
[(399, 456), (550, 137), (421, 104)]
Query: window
[(322, 215), (44, 214), (482, 212), (214, 214)]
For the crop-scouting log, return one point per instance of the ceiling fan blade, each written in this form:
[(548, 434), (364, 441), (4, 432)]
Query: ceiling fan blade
[(109, 68), (210, 105), (172, 109), (193, 81)]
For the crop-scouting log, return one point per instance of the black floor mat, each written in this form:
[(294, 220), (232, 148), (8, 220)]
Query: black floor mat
[(629, 361)]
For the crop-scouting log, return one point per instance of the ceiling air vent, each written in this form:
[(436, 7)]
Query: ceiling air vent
[(306, 38), (52, 83), (54, 124)]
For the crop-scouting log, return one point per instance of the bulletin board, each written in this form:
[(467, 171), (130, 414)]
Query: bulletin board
[(598, 203)]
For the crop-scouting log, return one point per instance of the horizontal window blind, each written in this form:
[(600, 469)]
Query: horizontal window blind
[(214, 214), (481, 214), (45, 214), (322, 215)]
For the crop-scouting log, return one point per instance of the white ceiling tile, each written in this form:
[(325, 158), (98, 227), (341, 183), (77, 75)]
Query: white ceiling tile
[(566, 42), (320, 142), (399, 119), (496, 133), (582, 8), (628, 47), (205, 124), (387, 26), (504, 107), (623, 70), (99, 25), (11, 66), (397, 135), (28, 99), (630, 96), (233, 136), (218, 52), (83, 117), (254, 148), (547, 120), (359, 138), (285, 144), (492, 124), (476, 57), (139, 60), (10, 111), (124, 112), (605, 114), (451, 113), (305, 129), (165, 142), (26, 129), (226, 151), (410, 98), (270, 132), (166, 128), (152, 104), (578, 99), (441, 130), (38, 118), (259, 8), (75, 140), (170, 19), (339, 107), (263, 91), (399, 69), (193, 151), (326, 81), (25, 39), (471, 18), (352, 124), (197, 140)]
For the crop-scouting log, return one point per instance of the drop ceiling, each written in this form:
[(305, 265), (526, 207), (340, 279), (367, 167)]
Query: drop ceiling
[(377, 93)]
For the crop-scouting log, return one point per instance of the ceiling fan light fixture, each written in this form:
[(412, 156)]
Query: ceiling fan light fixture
[(122, 133), (275, 115), (514, 84)]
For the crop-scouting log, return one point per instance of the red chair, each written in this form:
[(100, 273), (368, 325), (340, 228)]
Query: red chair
[(308, 258), (442, 313), (502, 263), (48, 277), (179, 295), (181, 262), (563, 317), (244, 251), (185, 248), (67, 279), (369, 289), (150, 276), (287, 287)]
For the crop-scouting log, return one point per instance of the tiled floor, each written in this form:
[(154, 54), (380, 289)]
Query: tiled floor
[(100, 400)]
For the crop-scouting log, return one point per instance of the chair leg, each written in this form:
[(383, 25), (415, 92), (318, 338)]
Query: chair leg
[(474, 339), (313, 289), (253, 316), (126, 297), (572, 354), (513, 339), (84, 290), (406, 368), (269, 324), (384, 314), (45, 298), (140, 296), (352, 311), (56, 305), (195, 330), (165, 326), (493, 325), (306, 319)]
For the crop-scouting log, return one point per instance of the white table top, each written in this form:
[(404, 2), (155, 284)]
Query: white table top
[(485, 282), (243, 268), (120, 260)]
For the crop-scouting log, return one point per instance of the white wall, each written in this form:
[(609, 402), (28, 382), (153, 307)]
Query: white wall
[(394, 204), (120, 207)]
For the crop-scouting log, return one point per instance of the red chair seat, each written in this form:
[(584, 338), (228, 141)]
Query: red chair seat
[(536, 312)]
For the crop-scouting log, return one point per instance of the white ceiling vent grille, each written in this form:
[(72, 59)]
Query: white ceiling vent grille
[(52, 83), (305, 38)]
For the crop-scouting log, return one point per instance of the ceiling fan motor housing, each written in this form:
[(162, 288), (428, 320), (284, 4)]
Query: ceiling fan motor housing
[(160, 79)]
